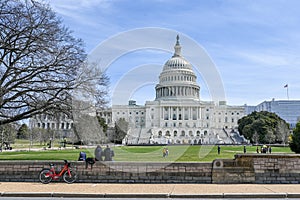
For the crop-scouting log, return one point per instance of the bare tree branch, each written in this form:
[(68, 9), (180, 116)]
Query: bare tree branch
[(41, 63)]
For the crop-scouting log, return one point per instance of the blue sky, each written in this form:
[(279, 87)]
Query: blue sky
[(254, 44)]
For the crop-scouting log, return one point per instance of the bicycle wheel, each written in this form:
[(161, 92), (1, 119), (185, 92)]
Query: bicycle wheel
[(70, 178), (45, 176)]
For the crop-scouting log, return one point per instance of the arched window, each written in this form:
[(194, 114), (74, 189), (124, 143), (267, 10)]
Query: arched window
[(168, 133), (182, 133), (159, 134), (175, 133)]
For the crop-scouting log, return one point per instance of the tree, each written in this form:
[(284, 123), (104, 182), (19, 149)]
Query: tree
[(40, 134), (88, 129), (7, 134), (295, 139), (121, 129), (23, 132), (102, 123), (283, 132), (264, 127), (41, 63)]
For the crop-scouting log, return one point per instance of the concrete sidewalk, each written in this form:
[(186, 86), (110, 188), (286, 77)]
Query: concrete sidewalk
[(55, 189)]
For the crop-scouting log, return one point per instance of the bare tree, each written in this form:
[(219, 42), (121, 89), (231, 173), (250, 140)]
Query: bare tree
[(41, 63)]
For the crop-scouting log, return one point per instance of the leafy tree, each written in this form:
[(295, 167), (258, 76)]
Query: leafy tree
[(23, 132), (121, 129), (264, 127), (41, 63), (295, 139)]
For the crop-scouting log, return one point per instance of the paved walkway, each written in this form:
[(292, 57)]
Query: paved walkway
[(100, 190)]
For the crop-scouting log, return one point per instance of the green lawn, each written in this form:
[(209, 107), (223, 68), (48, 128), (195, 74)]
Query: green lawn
[(142, 153)]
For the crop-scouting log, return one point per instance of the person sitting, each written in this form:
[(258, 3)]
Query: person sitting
[(108, 154), (82, 156), (98, 153)]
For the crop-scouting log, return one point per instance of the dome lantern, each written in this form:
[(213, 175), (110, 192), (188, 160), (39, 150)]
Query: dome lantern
[(177, 48)]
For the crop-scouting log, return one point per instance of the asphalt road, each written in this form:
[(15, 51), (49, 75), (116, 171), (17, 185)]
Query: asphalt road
[(58, 198)]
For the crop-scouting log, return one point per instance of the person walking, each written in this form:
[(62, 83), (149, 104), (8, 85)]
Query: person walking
[(245, 150), (219, 149)]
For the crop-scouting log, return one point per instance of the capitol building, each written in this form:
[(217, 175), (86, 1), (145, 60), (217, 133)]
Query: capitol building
[(177, 115)]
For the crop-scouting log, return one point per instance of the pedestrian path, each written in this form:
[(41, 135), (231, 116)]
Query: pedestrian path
[(58, 189)]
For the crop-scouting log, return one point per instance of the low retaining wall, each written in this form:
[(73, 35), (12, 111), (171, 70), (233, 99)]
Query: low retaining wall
[(245, 168), (258, 168), (113, 172)]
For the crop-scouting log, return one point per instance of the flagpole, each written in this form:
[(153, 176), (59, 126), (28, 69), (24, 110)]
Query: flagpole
[(287, 92)]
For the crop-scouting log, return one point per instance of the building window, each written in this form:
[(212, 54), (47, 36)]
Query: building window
[(174, 117), (175, 133), (159, 134), (168, 133), (182, 133)]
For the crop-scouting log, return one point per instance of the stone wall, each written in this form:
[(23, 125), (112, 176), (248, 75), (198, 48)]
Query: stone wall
[(244, 168), (113, 172), (257, 168)]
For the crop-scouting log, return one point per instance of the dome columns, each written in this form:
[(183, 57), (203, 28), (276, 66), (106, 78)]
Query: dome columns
[(177, 91)]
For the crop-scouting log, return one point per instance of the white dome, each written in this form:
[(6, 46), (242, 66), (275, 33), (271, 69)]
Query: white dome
[(177, 79), (177, 62)]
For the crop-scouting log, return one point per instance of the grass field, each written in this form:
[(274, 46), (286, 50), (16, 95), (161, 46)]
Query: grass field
[(178, 153)]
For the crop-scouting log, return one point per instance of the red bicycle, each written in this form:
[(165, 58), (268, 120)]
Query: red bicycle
[(68, 175)]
